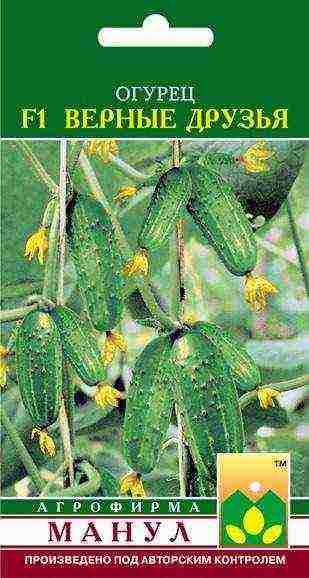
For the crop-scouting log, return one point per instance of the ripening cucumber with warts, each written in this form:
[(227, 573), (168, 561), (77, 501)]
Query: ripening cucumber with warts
[(149, 405), (80, 346), (207, 402), (242, 367), (94, 248), (166, 206), (39, 367), (222, 221)]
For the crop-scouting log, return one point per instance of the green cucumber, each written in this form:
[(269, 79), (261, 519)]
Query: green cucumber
[(39, 367), (166, 206), (80, 347), (149, 405), (243, 368), (222, 221), (109, 485), (94, 248), (208, 404)]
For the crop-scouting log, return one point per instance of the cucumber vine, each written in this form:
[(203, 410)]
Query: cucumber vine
[(193, 374)]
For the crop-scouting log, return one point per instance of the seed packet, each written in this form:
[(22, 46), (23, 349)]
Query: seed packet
[(155, 289)]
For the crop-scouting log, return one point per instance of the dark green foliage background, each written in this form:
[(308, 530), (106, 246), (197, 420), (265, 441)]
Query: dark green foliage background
[(278, 339)]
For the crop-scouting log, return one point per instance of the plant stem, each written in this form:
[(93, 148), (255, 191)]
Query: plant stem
[(135, 201), (64, 420), (127, 169), (181, 268), (180, 249), (23, 290), (143, 284), (14, 314), (186, 467), (66, 441), (182, 458), (298, 245), (76, 148), (62, 218), (50, 286), (22, 452), (281, 386), (20, 290), (68, 394), (86, 389), (37, 166), (48, 486), (32, 303), (185, 461), (180, 246)]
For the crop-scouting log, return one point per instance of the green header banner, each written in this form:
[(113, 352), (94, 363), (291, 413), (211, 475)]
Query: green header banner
[(124, 507), (58, 81)]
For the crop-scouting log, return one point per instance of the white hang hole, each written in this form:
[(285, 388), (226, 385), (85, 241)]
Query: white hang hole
[(156, 32)]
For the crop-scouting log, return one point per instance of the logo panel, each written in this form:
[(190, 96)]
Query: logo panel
[(253, 495)]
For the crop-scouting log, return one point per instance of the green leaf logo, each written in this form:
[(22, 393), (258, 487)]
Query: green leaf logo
[(236, 534), (253, 523), (272, 534)]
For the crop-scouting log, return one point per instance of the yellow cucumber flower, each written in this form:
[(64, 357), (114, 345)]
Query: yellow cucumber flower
[(3, 365), (132, 482), (255, 158), (125, 193), (45, 320), (108, 351), (106, 395), (266, 396), (37, 242), (101, 148), (139, 264), (46, 442), (256, 291), (114, 340)]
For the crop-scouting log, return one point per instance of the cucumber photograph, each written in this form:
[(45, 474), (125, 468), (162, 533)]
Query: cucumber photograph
[(154, 313)]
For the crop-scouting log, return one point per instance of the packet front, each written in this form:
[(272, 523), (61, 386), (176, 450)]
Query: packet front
[(155, 289)]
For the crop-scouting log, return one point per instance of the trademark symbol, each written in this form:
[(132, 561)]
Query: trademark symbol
[(280, 463)]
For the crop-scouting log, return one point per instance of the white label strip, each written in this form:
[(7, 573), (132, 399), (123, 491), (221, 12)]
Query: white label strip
[(124, 532)]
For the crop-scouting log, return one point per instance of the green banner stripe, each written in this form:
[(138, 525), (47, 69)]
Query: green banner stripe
[(124, 507)]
